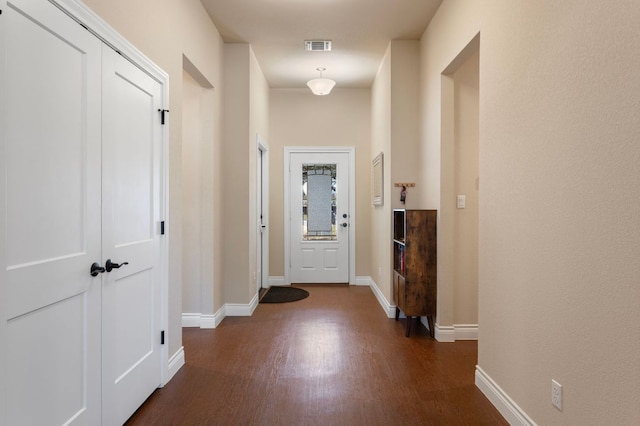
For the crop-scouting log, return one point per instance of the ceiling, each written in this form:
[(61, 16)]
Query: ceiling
[(360, 31)]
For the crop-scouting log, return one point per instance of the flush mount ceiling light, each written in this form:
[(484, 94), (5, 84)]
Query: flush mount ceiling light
[(321, 86)]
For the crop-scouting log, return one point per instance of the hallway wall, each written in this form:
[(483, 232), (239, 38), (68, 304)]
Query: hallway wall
[(559, 232)]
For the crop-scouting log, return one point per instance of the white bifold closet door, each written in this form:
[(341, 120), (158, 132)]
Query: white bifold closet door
[(82, 166), (131, 200)]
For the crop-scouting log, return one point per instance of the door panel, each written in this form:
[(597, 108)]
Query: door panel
[(52, 204), (319, 203), (131, 225)]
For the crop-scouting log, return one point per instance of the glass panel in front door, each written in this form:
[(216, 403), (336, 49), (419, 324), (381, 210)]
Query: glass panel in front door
[(319, 202)]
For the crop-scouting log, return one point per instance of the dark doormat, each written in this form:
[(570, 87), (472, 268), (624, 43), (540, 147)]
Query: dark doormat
[(278, 294)]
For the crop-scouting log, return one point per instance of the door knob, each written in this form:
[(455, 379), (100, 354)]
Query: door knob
[(110, 265), (96, 269), (344, 225)]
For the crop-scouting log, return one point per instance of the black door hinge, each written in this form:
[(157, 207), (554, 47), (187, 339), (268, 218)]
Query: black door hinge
[(162, 337), (162, 113), (162, 228)]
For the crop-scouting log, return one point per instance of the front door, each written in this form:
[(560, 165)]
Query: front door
[(130, 237), (319, 217)]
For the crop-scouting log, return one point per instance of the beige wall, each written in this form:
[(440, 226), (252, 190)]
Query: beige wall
[(259, 126), (192, 166), (245, 115), (465, 176), (164, 31), (395, 134), (404, 162), (200, 186), (559, 233), (299, 118), (381, 143)]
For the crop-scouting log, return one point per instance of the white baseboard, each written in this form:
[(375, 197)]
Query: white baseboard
[(191, 320), (276, 281), (505, 405), (364, 281), (451, 333), (445, 333), (240, 309), (203, 320), (176, 362), (466, 331), (388, 308)]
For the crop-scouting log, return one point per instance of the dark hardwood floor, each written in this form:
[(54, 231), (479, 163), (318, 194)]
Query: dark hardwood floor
[(333, 358)]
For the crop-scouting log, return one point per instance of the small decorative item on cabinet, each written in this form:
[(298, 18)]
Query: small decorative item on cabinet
[(415, 265)]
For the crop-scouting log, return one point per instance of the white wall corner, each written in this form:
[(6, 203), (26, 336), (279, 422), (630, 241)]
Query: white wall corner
[(176, 362), (388, 308), (505, 405), (276, 281)]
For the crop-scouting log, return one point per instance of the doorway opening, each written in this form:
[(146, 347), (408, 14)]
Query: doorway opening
[(197, 198), (460, 194), (262, 206)]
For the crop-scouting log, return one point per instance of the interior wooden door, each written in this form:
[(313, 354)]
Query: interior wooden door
[(50, 223), (132, 171)]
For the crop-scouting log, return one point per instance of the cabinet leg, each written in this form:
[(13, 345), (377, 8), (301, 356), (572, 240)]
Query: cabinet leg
[(431, 326), (397, 313), (408, 326)]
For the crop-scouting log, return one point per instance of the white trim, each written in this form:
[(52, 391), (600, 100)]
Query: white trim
[(103, 31), (388, 308), (175, 363), (191, 320), (466, 331), (505, 405), (241, 309), (198, 320), (445, 333), (288, 150), (363, 281), (208, 321), (451, 333), (276, 281)]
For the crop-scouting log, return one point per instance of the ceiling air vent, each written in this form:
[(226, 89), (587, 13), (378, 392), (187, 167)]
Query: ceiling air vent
[(317, 45)]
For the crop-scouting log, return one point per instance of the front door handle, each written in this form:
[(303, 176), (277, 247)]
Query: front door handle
[(109, 266), (96, 269), (344, 225)]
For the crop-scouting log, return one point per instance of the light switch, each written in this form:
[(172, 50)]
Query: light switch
[(462, 201)]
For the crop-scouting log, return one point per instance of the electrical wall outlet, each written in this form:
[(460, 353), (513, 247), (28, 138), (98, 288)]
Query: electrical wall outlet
[(556, 394)]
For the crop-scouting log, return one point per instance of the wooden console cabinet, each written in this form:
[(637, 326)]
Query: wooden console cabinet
[(414, 265)]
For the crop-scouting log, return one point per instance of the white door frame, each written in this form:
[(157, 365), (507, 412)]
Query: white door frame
[(351, 151), (263, 251), (109, 36)]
